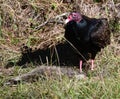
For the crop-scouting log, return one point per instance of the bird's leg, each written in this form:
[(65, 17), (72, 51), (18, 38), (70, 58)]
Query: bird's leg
[(80, 66), (92, 64)]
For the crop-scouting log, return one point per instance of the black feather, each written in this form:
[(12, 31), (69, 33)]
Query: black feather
[(88, 36)]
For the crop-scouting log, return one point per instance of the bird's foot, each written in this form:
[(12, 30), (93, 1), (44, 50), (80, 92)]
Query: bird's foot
[(92, 69)]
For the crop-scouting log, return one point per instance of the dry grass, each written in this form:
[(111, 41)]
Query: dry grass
[(18, 22)]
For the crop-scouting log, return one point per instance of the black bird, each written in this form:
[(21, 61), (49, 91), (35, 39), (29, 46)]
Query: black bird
[(87, 35)]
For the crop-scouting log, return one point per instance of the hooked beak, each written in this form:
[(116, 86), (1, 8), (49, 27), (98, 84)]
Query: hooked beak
[(65, 23), (67, 20)]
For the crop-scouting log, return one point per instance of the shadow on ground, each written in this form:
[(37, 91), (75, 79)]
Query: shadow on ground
[(62, 54)]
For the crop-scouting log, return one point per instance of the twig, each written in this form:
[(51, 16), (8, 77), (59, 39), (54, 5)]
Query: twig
[(43, 24), (57, 19)]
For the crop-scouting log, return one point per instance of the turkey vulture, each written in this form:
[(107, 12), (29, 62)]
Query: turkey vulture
[(87, 35)]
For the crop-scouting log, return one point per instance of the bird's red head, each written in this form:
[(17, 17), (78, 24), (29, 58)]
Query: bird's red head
[(77, 17)]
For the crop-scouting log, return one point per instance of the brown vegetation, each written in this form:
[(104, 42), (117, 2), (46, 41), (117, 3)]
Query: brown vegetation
[(38, 23)]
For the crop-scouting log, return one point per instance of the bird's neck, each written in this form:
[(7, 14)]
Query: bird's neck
[(82, 23)]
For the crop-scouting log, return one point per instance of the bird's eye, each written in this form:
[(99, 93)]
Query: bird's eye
[(74, 15)]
